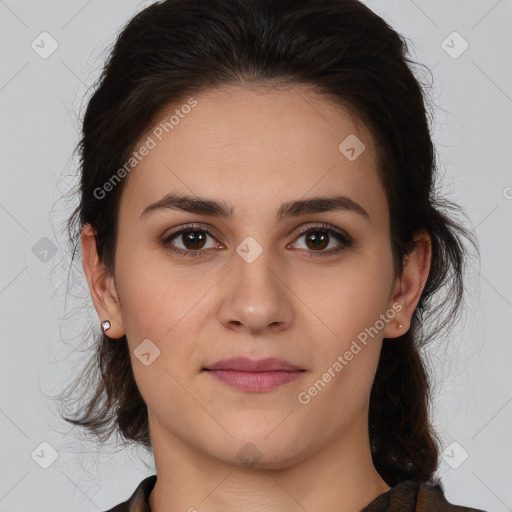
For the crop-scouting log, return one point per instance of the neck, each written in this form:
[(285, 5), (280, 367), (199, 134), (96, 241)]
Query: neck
[(339, 476)]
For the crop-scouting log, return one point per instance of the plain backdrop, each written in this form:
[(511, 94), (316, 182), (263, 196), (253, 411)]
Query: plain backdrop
[(45, 464)]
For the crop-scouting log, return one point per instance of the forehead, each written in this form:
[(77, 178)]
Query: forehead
[(252, 146)]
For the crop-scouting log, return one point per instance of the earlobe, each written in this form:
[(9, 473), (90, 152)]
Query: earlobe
[(409, 286), (101, 286)]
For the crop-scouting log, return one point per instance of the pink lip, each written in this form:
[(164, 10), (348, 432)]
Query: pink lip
[(254, 375), (245, 364)]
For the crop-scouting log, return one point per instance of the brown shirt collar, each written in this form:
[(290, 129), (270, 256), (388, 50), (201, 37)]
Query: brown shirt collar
[(408, 496)]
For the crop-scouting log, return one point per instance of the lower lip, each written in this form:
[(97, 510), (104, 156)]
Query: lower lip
[(255, 381)]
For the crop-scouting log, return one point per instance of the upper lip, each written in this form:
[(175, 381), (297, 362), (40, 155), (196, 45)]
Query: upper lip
[(246, 364)]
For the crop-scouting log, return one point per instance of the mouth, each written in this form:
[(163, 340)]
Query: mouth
[(254, 375)]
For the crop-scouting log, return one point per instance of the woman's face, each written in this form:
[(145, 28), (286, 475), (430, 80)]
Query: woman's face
[(249, 284)]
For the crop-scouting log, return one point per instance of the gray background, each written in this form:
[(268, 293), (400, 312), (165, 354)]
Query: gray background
[(42, 316)]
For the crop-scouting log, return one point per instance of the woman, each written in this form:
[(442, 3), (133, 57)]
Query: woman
[(260, 235)]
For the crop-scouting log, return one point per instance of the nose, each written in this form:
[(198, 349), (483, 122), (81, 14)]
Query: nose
[(255, 297)]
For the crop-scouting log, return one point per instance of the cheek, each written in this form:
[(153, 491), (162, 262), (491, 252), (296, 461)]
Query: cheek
[(154, 294), (162, 303), (158, 305), (351, 296), (349, 301)]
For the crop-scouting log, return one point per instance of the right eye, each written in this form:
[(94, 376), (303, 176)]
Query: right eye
[(193, 239)]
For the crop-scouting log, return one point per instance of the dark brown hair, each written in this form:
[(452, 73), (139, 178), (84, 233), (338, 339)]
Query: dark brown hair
[(177, 48)]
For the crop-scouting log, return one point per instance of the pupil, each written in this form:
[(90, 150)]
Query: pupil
[(318, 240), (194, 238)]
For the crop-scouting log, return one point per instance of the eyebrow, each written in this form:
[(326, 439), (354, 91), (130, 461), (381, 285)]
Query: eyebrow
[(204, 206)]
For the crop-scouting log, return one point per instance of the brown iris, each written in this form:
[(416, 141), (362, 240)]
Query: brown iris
[(320, 240), (196, 239)]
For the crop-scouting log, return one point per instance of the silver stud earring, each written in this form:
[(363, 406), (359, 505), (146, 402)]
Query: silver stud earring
[(105, 326), (399, 325)]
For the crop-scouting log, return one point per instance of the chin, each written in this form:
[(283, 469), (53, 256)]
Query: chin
[(258, 450)]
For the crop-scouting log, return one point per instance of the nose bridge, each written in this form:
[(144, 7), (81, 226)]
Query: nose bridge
[(256, 296), (255, 271)]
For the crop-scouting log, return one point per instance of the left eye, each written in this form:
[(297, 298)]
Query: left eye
[(317, 238)]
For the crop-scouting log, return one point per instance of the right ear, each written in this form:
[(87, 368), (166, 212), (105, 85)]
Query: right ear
[(101, 285)]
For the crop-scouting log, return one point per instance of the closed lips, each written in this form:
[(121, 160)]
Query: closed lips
[(254, 375), (244, 364)]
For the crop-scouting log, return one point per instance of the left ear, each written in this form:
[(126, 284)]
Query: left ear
[(408, 288)]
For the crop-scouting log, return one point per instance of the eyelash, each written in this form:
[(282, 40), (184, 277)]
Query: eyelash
[(344, 239)]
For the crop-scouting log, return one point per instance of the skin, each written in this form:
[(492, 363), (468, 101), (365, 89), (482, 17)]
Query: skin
[(255, 149)]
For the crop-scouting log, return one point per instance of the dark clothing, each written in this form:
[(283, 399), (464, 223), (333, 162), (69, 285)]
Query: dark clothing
[(415, 497), (407, 496)]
